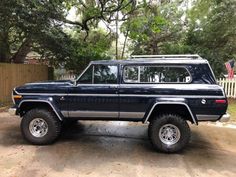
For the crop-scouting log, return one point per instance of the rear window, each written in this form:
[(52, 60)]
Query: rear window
[(156, 74)]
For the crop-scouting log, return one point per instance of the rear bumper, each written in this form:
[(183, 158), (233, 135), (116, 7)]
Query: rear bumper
[(12, 111), (225, 118)]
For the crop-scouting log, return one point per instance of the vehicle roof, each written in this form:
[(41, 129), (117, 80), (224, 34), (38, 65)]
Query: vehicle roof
[(152, 61)]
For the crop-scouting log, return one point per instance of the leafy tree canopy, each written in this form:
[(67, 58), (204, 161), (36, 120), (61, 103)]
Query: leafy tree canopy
[(41, 25), (152, 25), (206, 27), (212, 32)]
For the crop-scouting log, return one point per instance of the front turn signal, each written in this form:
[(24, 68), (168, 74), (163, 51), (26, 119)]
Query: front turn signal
[(17, 96)]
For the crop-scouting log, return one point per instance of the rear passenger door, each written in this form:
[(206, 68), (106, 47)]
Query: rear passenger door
[(142, 85), (96, 93)]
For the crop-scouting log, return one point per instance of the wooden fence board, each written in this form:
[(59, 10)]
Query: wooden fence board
[(13, 75)]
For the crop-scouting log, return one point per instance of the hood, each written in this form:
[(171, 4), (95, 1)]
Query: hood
[(45, 87)]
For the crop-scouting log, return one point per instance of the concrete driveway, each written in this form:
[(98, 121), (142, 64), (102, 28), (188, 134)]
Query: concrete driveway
[(115, 149)]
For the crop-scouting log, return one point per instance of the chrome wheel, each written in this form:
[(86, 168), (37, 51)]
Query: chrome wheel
[(169, 134), (38, 127)]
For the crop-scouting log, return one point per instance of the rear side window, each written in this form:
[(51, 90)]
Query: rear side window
[(156, 74), (131, 74)]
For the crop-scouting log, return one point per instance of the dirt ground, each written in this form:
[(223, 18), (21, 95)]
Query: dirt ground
[(115, 149)]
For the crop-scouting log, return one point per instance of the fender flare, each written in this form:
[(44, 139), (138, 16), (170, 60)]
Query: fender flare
[(166, 103), (57, 112)]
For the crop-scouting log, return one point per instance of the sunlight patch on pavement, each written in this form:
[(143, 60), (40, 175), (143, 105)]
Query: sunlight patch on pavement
[(224, 125)]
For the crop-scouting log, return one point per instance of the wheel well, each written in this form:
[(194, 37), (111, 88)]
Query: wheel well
[(178, 109), (25, 107)]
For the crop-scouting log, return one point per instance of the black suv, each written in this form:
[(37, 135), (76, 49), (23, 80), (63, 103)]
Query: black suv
[(166, 91)]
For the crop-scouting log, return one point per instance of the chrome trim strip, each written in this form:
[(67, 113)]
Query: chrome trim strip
[(185, 86), (211, 71), (49, 83), (64, 113), (91, 114), (100, 85), (124, 95), (153, 61), (44, 101), (93, 75), (13, 100), (54, 94), (132, 114), (83, 72), (193, 118), (188, 56), (103, 114), (222, 89), (201, 117), (171, 96)]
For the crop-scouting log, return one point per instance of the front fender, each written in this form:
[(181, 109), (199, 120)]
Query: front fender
[(49, 101)]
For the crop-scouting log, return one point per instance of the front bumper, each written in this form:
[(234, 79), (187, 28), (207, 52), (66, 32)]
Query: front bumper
[(225, 118), (12, 111)]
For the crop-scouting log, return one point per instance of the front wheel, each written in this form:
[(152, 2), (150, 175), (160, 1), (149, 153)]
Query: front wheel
[(169, 133), (40, 126)]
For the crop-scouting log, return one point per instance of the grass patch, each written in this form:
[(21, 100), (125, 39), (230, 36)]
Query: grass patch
[(232, 109)]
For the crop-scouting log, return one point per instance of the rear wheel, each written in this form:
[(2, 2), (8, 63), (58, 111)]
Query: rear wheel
[(40, 126), (169, 133)]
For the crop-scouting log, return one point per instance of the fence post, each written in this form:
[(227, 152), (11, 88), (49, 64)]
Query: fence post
[(234, 88)]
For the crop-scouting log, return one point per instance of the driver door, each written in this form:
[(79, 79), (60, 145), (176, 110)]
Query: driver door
[(95, 96)]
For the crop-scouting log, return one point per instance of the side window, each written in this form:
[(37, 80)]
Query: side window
[(131, 74), (86, 78), (156, 74), (105, 74), (176, 74)]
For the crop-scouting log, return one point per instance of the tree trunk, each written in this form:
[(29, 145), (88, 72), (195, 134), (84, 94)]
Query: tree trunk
[(117, 18), (4, 48), (155, 50), (123, 50), (20, 55)]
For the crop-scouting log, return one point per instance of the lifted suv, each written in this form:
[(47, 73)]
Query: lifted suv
[(166, 91)]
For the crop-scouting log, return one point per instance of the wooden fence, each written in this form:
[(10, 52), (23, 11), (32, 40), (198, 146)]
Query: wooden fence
[(229, 86), (12, 75)]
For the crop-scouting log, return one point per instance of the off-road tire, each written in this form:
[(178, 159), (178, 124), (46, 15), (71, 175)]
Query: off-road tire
[(53, 123), (164, 119)]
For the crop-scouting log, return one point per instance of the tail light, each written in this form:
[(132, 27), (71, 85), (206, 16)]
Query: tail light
[(220, 101)]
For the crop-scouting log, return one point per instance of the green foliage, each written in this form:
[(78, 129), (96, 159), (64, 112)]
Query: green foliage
[(208, 28), (23, 23), (42, 26), (214, 36), (150, 26), (94, 48)]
